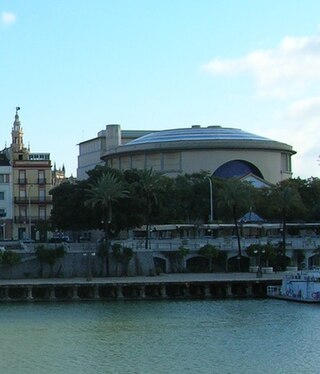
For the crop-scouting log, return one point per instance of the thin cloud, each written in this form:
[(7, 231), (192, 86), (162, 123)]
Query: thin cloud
[(7, 18), (306, 109), (289, 69)]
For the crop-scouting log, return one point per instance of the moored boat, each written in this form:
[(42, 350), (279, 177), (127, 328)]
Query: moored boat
[(303, 286)]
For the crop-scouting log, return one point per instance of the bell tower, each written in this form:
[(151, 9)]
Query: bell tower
[(17, 134)]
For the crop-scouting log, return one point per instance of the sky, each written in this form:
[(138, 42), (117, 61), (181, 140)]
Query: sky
[(75, 66)]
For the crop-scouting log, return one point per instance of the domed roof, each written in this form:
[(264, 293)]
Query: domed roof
[(197, 133)]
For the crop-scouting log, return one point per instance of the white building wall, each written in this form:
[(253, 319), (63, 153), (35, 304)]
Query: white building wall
[(6, 188)]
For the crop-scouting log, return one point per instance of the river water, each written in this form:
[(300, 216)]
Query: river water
[(225, 336)]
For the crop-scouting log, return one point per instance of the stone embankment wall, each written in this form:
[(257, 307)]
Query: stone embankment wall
[(78, 264), (131, 290)]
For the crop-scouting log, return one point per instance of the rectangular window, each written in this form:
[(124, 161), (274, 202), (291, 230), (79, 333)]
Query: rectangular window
[(42, 212), (285, 162), (23, 212), (22, 177), (1, 195), (42, 194), (41, 177), (22, 193), (4, 178), (3, 213)]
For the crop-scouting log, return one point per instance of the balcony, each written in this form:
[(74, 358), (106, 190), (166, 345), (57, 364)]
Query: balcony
[(25, 219), (22, 181), (33, 200)]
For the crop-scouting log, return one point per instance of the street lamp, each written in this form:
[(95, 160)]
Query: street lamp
[(88, 254), (259, 251), (211, 200)]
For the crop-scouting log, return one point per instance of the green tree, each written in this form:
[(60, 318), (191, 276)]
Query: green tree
[(263, 253), (103, 193), (284, 199), (309, 190), (235, 196), (10, 258), (122, 255), (210, 252), (189, 198), (102, 252), (176, 258), (149, 185), (69, 211), (49, 256)]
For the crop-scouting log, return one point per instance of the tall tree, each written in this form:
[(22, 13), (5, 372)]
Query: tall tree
[(284, 199), (69, 212), (149, 184), (235, 196), (104, 192)]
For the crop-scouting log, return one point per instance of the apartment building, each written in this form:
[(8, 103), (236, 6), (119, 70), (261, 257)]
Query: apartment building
[(29, 178)]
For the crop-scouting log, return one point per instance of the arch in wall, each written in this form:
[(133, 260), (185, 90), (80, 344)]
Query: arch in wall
[(160, 263), (237, 168)]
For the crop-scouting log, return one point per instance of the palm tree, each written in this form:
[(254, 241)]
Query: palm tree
[(150, 186), (235, 196), (104, 192), (284, 199)]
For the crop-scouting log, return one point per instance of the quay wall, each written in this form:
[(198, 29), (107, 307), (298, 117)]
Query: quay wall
[(205, 286), (77, 264)]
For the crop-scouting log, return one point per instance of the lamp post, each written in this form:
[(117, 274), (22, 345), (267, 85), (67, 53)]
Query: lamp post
[(259, 251), (211, 200), (88, 254)]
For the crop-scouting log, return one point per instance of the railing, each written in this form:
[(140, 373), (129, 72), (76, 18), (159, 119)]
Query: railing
[(224, 243), (25, 219), (33, 199)]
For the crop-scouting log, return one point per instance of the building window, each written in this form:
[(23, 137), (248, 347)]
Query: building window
[(42, 194), (22, 193), (41, 177), (23, 212), (22, 177), (1, 195), (285, 162), (42, 212), (3, 213), (4, 178)]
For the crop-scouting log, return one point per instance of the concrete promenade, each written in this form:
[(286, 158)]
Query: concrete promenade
[(157, 279), (172, 286)]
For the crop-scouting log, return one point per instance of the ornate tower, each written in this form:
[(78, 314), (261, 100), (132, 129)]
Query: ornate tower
[(17, 134)]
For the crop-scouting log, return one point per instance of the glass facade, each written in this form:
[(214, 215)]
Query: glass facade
[(237, 168)]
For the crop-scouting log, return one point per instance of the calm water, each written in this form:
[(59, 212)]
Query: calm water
[(229, 336)]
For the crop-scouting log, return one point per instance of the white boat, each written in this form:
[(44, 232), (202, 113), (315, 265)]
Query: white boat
[(301, 286)]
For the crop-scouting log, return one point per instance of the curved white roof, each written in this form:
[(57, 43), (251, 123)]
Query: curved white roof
[(196, 134)]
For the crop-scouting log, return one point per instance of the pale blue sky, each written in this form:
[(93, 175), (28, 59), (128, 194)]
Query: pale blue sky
[(74, 66)]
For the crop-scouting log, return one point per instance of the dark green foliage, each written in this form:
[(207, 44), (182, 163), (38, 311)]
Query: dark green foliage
[(69, 211), (152, 198), (264, 253), (236, 197), (49, 256), (210, 252), (10, 258), (121, 255)]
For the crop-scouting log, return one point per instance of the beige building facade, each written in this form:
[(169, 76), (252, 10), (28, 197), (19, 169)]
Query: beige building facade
[(92, 150), (31, 182), (223, 152)]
